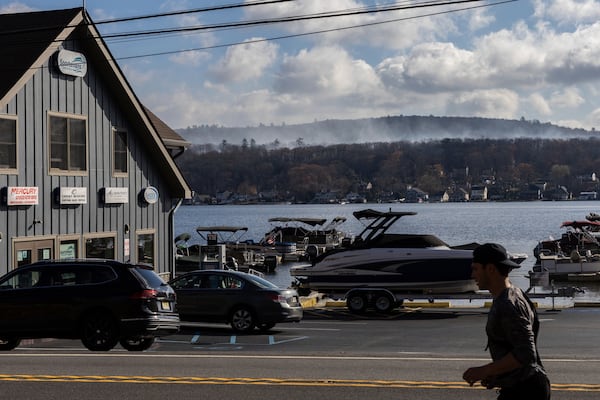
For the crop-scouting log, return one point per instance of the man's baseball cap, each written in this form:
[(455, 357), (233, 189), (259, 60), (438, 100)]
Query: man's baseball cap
[(493, 253)]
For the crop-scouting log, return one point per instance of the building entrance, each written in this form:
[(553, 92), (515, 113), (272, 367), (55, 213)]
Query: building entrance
[(30, 251)]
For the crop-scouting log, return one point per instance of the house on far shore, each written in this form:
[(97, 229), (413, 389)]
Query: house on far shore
[(479, 193), (85, 169)]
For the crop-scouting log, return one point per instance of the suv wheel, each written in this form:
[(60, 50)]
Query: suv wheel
[(8, 343), (242, 320), (136, 344), (99, 332)]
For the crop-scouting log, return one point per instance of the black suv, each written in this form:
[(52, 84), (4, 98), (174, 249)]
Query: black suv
[(101, 302)]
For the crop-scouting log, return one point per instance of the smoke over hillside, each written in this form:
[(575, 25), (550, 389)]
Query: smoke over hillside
[(384, 129)]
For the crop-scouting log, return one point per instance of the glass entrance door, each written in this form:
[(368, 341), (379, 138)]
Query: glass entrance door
[(28, 252)]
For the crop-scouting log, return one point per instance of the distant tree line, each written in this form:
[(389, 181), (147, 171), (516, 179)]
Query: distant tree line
[(301, 172)]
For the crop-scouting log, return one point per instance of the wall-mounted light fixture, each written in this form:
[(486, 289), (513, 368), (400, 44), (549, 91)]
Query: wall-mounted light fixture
[(126, 229)]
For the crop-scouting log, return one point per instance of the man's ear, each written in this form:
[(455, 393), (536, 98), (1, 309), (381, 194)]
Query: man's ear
[(491, 268)]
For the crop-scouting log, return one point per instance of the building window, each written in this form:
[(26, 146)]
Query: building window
[(145, 243), (100, 247), (8, 143), (68, 144), (69, 248), (120, 152)]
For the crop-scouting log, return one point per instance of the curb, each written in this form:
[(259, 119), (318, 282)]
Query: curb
[(587, 304)]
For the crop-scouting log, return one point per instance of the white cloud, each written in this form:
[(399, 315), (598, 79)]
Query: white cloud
[(539, 104), (15, 7), (245, 62), (501, 103), (190, 58), (568, 11), (138, 76), (480, 19), (540, 66), (567, 98), (434, 67), (329, 78), (593, 119), (401, 30)]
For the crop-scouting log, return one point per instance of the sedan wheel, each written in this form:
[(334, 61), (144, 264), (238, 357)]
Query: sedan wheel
[(8, 343), (265, 327), (242, 320), (99, 332), (136, 344)]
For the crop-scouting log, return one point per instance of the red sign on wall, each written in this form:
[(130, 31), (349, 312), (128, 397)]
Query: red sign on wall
[(22, 196)]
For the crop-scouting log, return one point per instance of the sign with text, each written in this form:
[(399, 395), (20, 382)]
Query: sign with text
[(73, 195), (22, 196), (115, 195)]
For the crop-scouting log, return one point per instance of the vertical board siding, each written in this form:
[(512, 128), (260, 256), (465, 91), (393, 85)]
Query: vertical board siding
[(49, 91)]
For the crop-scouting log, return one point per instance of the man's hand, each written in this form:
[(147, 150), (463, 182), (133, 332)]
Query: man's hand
[(476, 374)]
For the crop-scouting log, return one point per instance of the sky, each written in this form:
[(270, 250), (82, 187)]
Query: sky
[(532, 59)]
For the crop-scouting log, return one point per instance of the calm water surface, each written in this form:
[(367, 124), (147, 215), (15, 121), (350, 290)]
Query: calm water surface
[(517, 226)]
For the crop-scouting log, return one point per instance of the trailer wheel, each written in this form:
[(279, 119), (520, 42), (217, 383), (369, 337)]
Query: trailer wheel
[(356, 303), (384, 303)]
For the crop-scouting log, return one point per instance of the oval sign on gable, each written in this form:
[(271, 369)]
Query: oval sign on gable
[(71, 63)]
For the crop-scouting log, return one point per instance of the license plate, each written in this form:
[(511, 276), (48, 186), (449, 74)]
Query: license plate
[(165, 305)]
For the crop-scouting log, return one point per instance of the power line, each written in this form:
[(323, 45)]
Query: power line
[(193, 11), (159, 15), (314, 32), (394, 6), (368, 10)]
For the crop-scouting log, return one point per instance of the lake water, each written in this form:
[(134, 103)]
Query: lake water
[(518, 226)]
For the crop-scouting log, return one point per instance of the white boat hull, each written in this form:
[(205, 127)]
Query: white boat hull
[(410, 270), (559, 266)]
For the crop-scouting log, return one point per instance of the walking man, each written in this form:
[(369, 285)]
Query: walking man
[(512, 325)]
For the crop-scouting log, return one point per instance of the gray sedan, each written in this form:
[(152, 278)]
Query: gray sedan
[(243, 300)]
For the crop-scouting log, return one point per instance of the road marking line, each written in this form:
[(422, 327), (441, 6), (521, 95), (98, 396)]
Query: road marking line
[(572, 387)]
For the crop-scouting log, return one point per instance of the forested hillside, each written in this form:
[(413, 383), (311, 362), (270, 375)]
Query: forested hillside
[(378, 169)]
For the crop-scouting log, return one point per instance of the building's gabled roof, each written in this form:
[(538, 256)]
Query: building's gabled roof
[(25, 38), (28, 40), (170, 138)]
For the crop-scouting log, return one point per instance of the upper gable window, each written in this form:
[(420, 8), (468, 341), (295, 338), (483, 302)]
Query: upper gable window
[(119, 152), (8, 143), (68, 144)]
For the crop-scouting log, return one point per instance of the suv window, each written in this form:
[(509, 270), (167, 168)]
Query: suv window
[(57, 275), (149, 276), (22, 280)]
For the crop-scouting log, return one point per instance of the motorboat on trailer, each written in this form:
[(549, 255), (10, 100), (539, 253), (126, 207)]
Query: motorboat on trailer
[(401, 263)]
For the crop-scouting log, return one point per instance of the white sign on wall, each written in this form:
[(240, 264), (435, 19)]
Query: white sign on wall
[(73, 195), (22, 196), (71, 63), (114, 195)]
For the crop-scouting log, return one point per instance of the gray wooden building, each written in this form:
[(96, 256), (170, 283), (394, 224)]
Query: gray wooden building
[(85, 169)]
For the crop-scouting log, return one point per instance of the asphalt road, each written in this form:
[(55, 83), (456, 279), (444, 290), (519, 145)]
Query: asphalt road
[(331, 354)]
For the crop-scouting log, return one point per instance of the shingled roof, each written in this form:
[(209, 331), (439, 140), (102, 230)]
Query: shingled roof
[(24, 38), (28, 40)]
